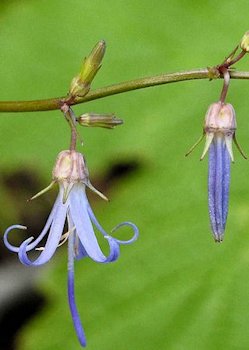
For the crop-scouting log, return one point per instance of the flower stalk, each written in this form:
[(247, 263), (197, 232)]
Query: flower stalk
[(55, 103)]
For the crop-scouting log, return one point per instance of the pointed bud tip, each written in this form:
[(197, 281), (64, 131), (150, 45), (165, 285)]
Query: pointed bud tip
[(244, 43), (80, 85), (108, 121), (102, 43)]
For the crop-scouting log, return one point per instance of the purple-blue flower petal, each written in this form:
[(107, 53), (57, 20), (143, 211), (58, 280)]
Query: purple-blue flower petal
[(80, 251), (38, 239), (71, 295), (81, 220), (126, 223), (52, 240), (135, 230), (218, 186)]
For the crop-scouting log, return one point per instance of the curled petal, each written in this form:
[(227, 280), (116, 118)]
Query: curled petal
[(81, 220), (135, 230), (71, 295), (5, 237), (38, 239), (52, 241), (126, 223)]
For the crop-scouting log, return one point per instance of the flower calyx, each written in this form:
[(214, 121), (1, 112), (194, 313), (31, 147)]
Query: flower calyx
[(70, 169), (220, 121)]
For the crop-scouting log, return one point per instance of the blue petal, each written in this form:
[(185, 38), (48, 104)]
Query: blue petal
[(218, 186), (81, 220), (71, 295), (52, 241), (79, 251), (126, 223), (38, 239), (135, 230)]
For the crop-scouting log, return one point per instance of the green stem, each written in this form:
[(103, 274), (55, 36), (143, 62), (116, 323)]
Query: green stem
[(56, 103)]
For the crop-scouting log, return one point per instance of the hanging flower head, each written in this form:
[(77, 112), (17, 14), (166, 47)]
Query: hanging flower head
[(219, 129), (72, 207), (220, 126)]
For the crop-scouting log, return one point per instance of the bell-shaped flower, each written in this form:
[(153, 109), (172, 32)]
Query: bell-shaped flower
[(219, 129), (71, 207)]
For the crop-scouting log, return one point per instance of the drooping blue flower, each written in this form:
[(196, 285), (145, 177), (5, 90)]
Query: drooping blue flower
[(220, 126), (218, 186), (219, 129), (71, 207)]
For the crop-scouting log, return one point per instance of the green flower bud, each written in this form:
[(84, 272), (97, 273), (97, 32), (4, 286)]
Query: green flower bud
[(108, 121), (81, 84), (244, 44)]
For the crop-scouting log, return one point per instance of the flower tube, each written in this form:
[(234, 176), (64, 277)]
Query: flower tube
[(219, 127)]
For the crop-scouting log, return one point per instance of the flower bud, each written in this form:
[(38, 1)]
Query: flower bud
[(220, 118), (108, 121), (70, 168), (80, 85), (244, 44)]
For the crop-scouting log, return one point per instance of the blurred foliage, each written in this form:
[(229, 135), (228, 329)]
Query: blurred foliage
[(174, 288)]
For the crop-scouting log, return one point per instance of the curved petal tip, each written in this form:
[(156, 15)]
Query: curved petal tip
[(135, 231), (6, 234)]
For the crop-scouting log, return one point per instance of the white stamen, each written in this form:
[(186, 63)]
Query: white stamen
[(63, 239)]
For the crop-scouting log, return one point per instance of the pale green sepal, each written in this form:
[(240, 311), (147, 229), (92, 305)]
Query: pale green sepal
[(229, 141), (90, 186), (239, 147), (42, 191), (195, 145), (67, 190), (209, 139)]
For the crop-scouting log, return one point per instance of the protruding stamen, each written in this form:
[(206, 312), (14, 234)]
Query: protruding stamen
[(63, 239)]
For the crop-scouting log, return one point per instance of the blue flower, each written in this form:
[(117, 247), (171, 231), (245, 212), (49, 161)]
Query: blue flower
[(218, 186), (219, 127), (71, 207)]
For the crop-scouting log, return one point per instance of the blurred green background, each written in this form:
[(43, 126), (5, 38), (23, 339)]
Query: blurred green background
[(174, 288)]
